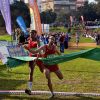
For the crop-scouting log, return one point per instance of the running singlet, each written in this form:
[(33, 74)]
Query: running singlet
[(32, 45), (48, 51)]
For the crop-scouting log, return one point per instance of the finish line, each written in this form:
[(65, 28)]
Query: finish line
[(16, 92)]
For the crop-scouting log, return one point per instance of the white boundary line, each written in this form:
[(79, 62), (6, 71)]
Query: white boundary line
[(48, 92)]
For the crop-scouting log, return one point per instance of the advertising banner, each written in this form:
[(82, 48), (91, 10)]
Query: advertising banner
[(16, 51)]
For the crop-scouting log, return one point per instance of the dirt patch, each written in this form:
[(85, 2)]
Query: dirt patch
[(82, 45), (75, 48)]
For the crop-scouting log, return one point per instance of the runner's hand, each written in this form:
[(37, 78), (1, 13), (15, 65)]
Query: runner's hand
[(26, 47)]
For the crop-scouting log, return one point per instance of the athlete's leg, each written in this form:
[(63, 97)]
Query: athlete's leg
[(47, 74), (59, 74), (31, 67)]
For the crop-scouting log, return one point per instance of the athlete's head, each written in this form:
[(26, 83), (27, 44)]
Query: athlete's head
[(33, 34)]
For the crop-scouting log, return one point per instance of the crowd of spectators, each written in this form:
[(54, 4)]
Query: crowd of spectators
[(61, 38)]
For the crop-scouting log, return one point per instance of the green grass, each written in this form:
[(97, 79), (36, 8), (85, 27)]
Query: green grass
[(82, 40), (80, 75), (58, 29), (63, 29), (5, 37)]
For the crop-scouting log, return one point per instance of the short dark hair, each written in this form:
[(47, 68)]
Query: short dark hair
[(33, 31)]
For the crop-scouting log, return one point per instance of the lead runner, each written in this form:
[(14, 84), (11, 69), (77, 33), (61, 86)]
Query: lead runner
[(48, 49)]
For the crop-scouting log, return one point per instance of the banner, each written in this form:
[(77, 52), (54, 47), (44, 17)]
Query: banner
[(45, 28), (32, 26), (33, 5), (82, 18), (5, 10), (71, 20), (3, 43), (92, 27), (22, 25), (4, 54), (16, 51), (56, 59)]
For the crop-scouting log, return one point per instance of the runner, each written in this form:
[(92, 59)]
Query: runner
[(48, 49)]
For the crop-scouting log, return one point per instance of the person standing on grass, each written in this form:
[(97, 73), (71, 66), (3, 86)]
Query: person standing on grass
[(32, 44), (66, 41), (77, 39), (61, 40), (48, 50)]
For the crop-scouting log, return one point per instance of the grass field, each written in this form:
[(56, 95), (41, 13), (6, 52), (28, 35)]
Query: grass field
[(80, 75), (82, 39), (5, 37)]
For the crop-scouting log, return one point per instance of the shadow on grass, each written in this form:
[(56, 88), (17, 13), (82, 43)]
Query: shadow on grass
[(34, 97), (83, 71), (19, 73), (3, 67), (10, 84), (5, 72), (75, 48)]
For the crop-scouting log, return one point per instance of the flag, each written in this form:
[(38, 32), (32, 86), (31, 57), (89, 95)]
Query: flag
[(82, 18), (32, 26), (22, 25), (5, 11), (33, 5), (71, 20)]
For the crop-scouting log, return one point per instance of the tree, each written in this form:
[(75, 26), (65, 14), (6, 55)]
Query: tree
[(48, 17), (97, 0), (19, 8), (62, 19), (88, 11), (98, 9)]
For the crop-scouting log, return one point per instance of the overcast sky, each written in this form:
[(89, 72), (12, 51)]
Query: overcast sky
[(88, 0), (91, 0)]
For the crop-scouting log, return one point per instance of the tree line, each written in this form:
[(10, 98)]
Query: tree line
[(90, 11)]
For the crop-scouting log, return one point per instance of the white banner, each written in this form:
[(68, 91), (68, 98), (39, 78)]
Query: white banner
[(92, 27), (4, 54), (45, 28)]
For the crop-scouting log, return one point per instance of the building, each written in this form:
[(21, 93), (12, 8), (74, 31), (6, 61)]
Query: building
[(47, 4), (59, 5), (80, 3), (64, 5), (12, 1)]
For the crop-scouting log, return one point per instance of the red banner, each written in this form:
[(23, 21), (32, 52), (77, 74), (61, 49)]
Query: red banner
[(33, 5)]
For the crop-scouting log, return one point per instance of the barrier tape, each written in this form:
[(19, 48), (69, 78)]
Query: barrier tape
[(48, 92)]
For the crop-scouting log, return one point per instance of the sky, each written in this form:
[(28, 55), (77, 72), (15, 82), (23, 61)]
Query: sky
[(88, 0), (91, 0)]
